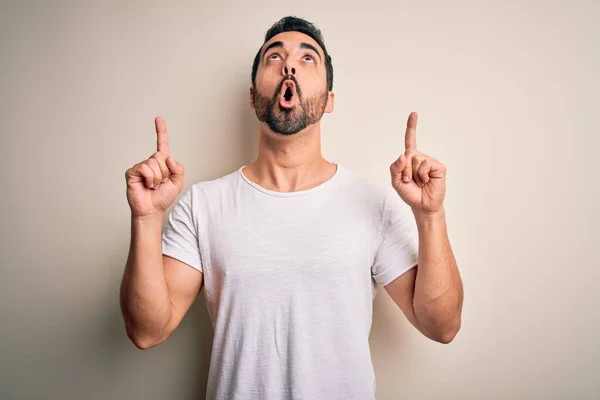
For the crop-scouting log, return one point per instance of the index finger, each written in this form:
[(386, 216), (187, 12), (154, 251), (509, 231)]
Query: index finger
[(410, 138), (162, 141)]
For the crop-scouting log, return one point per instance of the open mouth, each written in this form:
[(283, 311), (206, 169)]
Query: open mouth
[(288, 94)]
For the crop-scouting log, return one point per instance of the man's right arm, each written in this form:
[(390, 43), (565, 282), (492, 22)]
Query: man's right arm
[(157, 290)]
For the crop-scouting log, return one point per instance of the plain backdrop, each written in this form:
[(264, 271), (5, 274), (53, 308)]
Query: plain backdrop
[(508, 98)]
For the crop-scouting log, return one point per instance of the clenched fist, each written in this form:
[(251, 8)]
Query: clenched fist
[(153, 184)]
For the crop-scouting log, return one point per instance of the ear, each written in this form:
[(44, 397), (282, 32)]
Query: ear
[(251, 100), (330, 99)]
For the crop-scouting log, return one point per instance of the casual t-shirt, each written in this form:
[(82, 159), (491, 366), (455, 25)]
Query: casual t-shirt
[(289, 280)]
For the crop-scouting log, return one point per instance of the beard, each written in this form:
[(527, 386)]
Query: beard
[(288, 121)]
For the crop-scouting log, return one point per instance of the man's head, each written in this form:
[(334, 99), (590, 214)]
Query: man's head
[(292, 77)]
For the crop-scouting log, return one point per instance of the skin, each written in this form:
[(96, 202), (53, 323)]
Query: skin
[(157, 291), (431, 295), (291, 162)]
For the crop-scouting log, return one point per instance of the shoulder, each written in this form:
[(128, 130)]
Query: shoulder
[(212, 186), (202, 192), (381, 199), (365, 189)]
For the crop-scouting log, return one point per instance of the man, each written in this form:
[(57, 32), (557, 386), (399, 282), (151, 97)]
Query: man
[(291, 248)]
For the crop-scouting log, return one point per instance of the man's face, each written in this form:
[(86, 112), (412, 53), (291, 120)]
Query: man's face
[(290, 90)]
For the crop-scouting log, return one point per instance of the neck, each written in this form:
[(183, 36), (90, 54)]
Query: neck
[(290, 163)]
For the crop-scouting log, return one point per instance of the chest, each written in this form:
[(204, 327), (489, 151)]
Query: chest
[(291, 246)]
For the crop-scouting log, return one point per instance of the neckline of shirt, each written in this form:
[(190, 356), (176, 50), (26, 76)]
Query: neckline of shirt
[(291, 194)]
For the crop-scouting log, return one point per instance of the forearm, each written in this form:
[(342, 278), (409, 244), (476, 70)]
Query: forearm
[(438, 292), (145, 300)]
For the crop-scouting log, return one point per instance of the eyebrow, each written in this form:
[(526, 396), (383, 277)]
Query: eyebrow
[(272, 45), (303, 45), (310, 47)]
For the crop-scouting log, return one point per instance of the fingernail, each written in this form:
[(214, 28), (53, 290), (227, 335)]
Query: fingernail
[(406, 178)]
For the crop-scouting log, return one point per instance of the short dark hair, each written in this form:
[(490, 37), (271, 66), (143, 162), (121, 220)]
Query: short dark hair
[(287, 24)]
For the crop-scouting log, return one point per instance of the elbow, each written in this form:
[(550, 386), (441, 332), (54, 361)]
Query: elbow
[(144, 336), (141, 340), (142, 343), (446, 336)]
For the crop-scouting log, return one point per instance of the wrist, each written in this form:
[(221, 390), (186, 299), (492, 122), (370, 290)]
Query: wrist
[(149, 219), (430, 216)]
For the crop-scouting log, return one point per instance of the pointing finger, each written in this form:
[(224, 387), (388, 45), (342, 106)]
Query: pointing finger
[(162, 141), (410, 138)]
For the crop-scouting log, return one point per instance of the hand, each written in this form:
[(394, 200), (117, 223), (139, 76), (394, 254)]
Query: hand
[(153, 184), (420, 180)]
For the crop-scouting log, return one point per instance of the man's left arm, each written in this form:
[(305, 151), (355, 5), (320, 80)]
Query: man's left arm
[(430, 295)]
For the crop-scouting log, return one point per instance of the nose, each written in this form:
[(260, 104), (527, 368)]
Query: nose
[(289, 67)]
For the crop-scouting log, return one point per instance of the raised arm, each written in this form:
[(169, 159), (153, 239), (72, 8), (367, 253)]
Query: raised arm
[(431, 295), (156, 290)]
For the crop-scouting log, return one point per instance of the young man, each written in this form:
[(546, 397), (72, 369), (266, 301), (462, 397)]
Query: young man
[(291, 248)]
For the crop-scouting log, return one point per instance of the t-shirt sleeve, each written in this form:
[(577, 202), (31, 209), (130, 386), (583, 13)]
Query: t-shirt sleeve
[(180, 236), (399, 242)]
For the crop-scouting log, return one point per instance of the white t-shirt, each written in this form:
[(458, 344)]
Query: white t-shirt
[(289, 280)]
